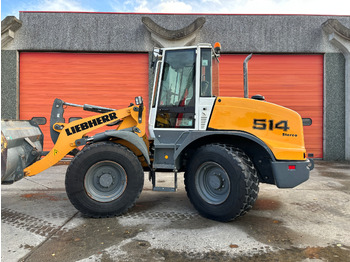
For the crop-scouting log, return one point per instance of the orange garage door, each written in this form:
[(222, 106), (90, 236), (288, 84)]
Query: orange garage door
[(109, 80), (293, 81)]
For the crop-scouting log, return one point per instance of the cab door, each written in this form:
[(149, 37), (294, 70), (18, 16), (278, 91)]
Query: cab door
[(176, 99), (174, 108)]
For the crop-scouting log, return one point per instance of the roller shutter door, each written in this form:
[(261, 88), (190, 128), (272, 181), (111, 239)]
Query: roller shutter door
[(108, 80), (293, 81)]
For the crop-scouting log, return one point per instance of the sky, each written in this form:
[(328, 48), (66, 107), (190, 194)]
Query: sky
[(311, 7)]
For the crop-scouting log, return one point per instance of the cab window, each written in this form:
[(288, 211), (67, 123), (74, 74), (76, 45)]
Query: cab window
[(209, 73), (176, 104)]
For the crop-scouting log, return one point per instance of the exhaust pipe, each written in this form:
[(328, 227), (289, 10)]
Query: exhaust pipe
[(245, 75), (21, 146)]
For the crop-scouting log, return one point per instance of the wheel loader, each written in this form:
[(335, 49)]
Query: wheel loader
[(225, 146)]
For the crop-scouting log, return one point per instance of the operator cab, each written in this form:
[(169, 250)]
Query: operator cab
[(185, 87)]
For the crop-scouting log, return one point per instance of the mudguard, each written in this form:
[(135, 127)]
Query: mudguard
[(129, 137), (193, 136)]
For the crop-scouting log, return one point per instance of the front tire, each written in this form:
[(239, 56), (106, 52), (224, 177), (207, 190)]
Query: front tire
[(221, 182), (104, 179)]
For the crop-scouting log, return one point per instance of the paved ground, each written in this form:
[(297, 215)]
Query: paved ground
[(307, 223)]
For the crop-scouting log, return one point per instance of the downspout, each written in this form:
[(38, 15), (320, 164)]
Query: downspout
[(339, 36)]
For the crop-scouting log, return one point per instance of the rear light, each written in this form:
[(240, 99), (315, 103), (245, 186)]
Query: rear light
[(291, 167)]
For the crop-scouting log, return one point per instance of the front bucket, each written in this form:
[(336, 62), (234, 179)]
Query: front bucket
[(21, 146)]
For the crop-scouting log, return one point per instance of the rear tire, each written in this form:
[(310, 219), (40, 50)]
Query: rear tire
[(104, 179), (221, 182)]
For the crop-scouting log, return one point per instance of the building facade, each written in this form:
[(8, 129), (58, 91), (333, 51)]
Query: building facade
[(299, 61)]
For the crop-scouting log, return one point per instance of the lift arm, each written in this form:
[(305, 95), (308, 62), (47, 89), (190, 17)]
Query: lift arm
[(74, 134)]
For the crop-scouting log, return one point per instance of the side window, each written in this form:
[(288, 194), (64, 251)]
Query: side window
[(209, 74), (215, 75), (176, 105), (206, 73)]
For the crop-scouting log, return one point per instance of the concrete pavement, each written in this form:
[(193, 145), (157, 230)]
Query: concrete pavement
[(308, 223)]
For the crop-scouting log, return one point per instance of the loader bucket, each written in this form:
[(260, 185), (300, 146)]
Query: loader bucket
[(21, 146)]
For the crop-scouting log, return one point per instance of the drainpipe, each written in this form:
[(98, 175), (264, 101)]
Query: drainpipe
[(339, 36)]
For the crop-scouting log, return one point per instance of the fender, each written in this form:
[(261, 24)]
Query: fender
[(127, 136), (252, 145), (194, 136)]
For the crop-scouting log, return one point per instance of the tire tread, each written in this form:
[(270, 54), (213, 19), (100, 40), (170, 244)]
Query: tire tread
[(251, 180), (70, 179)]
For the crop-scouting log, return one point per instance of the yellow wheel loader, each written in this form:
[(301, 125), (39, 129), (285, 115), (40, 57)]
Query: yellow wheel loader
[(225, 146)]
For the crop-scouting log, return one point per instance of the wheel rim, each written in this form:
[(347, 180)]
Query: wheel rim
[(212, 183), (105, 181)]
